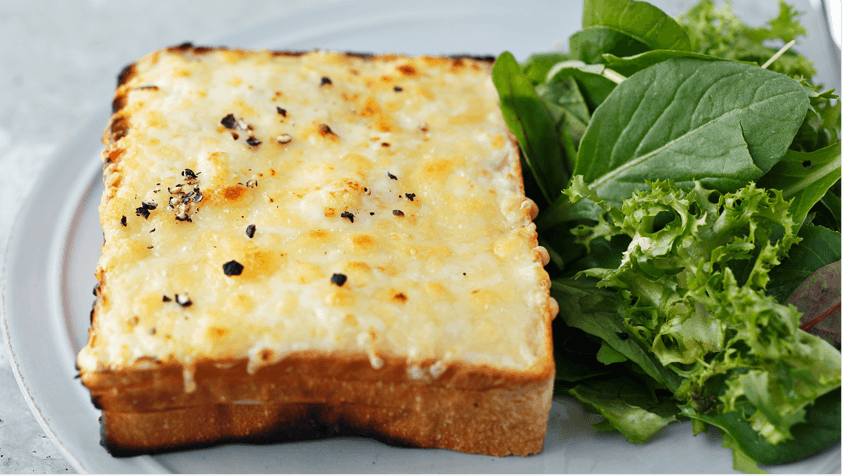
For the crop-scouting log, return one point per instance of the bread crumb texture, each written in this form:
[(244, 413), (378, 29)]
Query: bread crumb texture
[(370, 205)]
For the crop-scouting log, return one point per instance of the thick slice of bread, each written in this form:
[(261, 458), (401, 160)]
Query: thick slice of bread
[(306, 244)]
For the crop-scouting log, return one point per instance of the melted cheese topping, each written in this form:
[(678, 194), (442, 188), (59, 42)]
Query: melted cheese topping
[(394, 172)]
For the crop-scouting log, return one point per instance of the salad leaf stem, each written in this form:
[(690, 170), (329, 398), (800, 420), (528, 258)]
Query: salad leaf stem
[(822, 316), (779, 53)]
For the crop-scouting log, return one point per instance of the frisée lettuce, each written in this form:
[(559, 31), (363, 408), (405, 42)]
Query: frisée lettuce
[(691, 289)]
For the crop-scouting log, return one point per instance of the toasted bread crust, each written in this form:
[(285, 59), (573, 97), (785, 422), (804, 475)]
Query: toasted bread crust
[(338, 378), (154, 406), (500, 422)]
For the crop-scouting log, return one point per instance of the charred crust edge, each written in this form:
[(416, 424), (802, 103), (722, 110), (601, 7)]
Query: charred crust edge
[(95, 400), (483, 59), (126, 74), (119, 127), (118, 103), (190, 47), (312, 424)]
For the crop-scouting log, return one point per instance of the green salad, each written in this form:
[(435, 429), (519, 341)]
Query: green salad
[(688, 176)]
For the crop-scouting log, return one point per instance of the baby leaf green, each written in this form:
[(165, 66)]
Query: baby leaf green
[(565, 94), (628, 406), (638, 20), (595, 87), (531, 123), (804, 177), (590, 44), (820, 429), (818, 247), (832, 204), (687, 119), (818, 299), (537, 65)]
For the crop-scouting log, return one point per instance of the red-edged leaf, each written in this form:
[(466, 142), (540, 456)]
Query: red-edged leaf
[(818, 299)]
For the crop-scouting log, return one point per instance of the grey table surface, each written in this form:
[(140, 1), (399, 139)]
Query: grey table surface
[(58, 64)]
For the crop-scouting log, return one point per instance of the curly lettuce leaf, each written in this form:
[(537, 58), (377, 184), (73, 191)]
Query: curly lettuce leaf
[(735, 347), (718, 32), (594, 311)]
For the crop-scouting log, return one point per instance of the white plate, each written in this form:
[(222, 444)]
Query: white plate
[(55, 245)]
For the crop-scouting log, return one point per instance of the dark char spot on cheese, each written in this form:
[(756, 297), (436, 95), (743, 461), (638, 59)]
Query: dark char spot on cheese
[(232, 268)]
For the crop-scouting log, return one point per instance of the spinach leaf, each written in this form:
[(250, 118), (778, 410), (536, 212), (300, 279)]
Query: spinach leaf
[(639, 20), (819, 247), (628, 406), (608, 355), (557, 258), (531, 187), (630, 65), (686, 119), (831, 203), (820, 430), (574, 351), (804, 177), (740, 461), (566, 254), (570, 95), (571, 131), (594, 87), (808, 135), (570, 114), (565, 95), (602, 254), (531, 123), (821, 126), (830, 113), (561, 241), (590, 44), (570, 371), (537, 65)]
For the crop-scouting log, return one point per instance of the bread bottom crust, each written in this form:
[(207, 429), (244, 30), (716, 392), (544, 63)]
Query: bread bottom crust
[(130, 434), (467, 409)]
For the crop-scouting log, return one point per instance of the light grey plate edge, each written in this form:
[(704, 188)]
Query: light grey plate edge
[(69, 182)]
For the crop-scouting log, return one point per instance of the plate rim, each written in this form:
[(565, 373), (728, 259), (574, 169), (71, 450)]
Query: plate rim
[(80, 182)]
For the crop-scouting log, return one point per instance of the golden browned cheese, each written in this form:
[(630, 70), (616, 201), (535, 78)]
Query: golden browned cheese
[(259, 205)]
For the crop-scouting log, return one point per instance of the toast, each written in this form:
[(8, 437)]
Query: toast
[(300, 245)]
